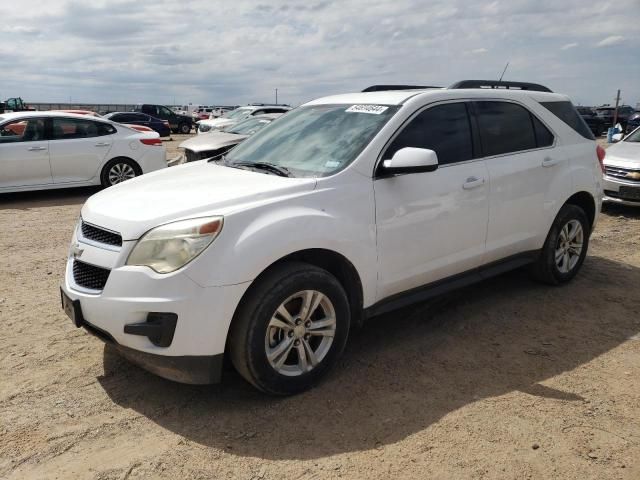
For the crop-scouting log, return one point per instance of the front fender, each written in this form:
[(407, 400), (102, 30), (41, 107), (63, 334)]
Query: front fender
[(253, 240)]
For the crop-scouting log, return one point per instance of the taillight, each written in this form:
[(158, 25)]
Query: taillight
[(152, 141), (601, 152)]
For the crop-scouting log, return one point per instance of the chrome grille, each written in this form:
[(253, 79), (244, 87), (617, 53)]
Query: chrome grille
[(622, 173), (90, 276), (100, 235)]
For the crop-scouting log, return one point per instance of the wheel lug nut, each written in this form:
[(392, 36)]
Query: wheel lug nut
[(290, 334), (307, 336), (307, 324), (296, 343), (298, 321)]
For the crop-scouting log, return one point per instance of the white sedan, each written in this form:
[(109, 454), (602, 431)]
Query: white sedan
[(44, 150)]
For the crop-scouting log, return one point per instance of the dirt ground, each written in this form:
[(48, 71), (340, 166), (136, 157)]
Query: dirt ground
[(505, 379)]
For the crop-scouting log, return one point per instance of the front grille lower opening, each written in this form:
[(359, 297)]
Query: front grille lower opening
[(90, 276)]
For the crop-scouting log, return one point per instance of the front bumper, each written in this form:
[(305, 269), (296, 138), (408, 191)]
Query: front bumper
[(192, 369), (126, 311), (621, 192)]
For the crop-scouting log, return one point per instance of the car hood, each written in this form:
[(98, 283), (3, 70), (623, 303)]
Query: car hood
[(218, 122), (211, 141), (623, 154), (187, 191)]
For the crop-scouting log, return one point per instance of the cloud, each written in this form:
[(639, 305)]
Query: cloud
[(238, 52), (610, 41), (569, 46)]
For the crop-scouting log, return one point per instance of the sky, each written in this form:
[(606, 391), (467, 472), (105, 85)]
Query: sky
[(236, 52)]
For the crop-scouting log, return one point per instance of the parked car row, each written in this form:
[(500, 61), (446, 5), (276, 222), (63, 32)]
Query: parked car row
[(241, 113), (601, 118)]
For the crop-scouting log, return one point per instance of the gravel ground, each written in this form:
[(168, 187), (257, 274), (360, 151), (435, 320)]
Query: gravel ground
[(505, 379)]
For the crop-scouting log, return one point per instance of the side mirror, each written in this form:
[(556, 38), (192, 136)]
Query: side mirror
[(617, 137), (411, 160)]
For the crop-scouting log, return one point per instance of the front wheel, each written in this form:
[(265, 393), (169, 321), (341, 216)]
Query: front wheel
[(291, 329), (119, 170), (566, 247), (185, 128)]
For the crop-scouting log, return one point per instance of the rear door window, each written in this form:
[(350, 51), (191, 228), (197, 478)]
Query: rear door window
[(445, 129), (566, 112), (504, 128), (73, 128)]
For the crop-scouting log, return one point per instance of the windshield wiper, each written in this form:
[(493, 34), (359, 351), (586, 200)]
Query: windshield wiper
[(270, 167)]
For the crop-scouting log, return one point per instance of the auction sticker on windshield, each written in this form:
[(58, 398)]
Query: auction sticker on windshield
[(375, 109)]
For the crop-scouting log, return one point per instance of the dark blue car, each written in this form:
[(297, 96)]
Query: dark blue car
[(136, 118)]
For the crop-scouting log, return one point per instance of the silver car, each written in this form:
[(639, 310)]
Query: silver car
[(622, 171), (218, 142)]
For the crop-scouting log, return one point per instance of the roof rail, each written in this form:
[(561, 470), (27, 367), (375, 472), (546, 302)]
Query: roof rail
[(535, 87), (268, 105), (382, 88)]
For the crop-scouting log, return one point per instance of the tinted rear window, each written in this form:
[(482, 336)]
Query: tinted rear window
[(504, 128), (566, 112)]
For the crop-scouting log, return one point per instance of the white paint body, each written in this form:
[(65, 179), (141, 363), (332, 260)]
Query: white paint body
[(398, 232), (64, 163)]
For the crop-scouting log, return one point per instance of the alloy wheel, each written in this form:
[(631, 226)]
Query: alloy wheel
[(569, 246), (121, 172), (300, 333)]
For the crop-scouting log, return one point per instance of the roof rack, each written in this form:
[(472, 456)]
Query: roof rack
[(535, 87), (382, 88), (268, 104)]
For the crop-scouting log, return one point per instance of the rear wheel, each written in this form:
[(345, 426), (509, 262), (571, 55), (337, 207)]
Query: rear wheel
[(119, 170), (291, 329), (185, 128), (566, 247)]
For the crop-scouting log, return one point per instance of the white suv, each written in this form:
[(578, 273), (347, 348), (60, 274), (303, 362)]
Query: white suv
[(346, 207)]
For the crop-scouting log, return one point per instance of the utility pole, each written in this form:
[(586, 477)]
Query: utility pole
[(276, 96), (615, 112)]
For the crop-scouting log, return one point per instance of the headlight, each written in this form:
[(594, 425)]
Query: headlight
[(169, 247), (203, 127)]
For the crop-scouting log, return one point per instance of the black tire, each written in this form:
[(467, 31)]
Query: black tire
[(104, 175), (184, 128), (249, 329), (545, 268)]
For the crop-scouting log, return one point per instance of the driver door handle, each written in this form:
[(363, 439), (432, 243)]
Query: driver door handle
[(102, 144), (36, 149), (549, 162), (473, 182)]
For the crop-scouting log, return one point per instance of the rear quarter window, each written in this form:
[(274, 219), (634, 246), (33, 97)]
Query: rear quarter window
[(566, 112)]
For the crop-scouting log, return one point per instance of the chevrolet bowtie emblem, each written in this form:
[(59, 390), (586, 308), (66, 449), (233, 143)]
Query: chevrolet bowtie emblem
[(633, 175), (76, 251)]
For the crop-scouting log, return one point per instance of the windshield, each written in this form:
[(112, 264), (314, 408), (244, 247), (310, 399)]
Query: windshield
[(315, 141), (237, 114), (249, 126), (633, 136)]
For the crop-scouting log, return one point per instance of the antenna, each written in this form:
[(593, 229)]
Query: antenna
[(505, 69)]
